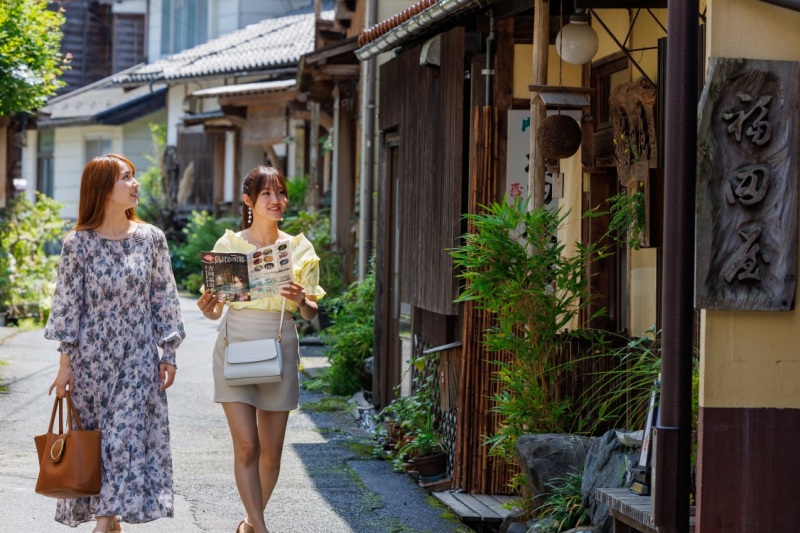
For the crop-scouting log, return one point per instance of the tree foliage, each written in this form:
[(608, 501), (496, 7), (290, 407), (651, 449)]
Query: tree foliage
[(30, 56), (28, 271)]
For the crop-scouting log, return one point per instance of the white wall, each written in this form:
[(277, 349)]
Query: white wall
[(29, 154), (69, 156), (137, 143), (69, 159), (136, 7), (222, 17), (175, 96), (154, 31)]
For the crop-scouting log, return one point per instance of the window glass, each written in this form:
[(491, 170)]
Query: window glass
[(96, 147), (44, 164), (166, 24), (184, 24)]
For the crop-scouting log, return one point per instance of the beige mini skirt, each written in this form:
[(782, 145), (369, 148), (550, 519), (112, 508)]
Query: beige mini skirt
[(252, 324)]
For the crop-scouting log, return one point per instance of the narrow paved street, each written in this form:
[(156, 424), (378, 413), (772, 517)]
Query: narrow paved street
[(329, 482)]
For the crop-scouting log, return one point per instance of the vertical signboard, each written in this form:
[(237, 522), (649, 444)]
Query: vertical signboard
[(746, 232), (519, 148)]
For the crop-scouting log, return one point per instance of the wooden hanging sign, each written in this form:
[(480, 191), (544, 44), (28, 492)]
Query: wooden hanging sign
[(746, 233)]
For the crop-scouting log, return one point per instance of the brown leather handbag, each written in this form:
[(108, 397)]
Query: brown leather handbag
[(69, 461)]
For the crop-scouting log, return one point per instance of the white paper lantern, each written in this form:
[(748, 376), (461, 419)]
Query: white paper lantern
[(576, 43)]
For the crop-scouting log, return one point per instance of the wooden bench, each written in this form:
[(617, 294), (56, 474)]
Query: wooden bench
[(630, 511), (477, 511)]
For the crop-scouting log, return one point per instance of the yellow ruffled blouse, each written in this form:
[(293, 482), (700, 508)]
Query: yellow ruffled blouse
[(305, 270)]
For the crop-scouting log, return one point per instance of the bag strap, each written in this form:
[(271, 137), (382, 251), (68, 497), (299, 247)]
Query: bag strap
[(71, 414), (56, 407), (228, 310)]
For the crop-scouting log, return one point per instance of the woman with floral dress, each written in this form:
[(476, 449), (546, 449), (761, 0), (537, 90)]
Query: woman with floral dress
[(257, 414), (114, 305)]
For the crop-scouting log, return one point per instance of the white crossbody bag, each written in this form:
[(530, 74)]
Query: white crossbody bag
[(254, 362)]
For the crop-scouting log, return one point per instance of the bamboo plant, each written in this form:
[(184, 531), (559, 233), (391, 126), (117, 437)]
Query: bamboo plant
[(513, 266)]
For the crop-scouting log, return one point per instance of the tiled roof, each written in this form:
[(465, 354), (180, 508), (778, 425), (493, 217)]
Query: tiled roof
[(269, 44), (93, 103), (414, 21), (246, 89), (373, 32)]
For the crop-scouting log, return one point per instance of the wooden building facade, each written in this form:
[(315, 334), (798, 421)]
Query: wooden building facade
[(748, 401), (444, 152), (100, 41), (421, 200)]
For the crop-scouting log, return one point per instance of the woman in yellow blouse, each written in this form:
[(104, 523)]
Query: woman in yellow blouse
[(257, 414)]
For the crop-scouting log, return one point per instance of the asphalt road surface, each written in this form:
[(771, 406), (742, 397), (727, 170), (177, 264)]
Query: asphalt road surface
[(329, 483)]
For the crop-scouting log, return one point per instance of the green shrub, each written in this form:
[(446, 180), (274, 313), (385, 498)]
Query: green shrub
[(296, 190), (416, 430), (563, 505), (316, 227), (628, 223), (619, 397), (350, 336), (201, 232), (151, 190), (27, 271), (512, 267)]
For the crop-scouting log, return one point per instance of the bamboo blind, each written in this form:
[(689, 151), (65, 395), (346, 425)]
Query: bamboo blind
[(474, 471)]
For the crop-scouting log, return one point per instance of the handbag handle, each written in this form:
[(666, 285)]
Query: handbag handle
[(228, 310), (56, 406), (72, 415)]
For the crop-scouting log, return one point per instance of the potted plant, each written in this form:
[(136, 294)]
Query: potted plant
[(394, 415), (428, 451), (430, 458)]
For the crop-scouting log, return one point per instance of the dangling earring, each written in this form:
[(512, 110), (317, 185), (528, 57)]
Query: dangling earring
[(249, 215)]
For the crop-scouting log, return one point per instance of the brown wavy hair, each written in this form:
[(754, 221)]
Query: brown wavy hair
[(260, 178), (97, 181)]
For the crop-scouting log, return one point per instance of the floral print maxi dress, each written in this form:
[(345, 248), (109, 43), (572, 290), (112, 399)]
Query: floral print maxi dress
[(115, 303)]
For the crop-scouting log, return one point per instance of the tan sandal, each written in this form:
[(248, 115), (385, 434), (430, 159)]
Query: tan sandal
[(116, 527), (244, 527)]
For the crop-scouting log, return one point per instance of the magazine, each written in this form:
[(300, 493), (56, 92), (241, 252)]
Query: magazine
[(240, 277)]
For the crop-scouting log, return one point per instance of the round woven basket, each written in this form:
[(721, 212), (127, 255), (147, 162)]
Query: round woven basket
[(559, 136)]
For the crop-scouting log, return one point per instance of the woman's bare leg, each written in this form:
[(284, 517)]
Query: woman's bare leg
[(271, 433), (103, 524), (246, 451)]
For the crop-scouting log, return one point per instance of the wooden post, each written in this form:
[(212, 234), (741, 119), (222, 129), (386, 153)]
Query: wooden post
[(541, 44), (313, 191)]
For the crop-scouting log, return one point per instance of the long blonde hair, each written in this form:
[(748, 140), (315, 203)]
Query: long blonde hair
[(97, 181)]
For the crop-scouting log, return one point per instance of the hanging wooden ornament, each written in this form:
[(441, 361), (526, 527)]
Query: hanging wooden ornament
[(558, 136)]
